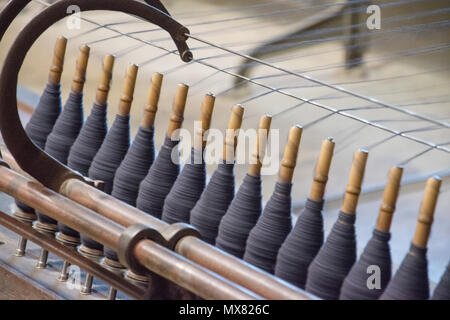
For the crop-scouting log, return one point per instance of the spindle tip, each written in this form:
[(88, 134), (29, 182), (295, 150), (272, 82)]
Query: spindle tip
[(177, 115), (390, 196), (259, 152), (128, 90), (80, 71), (105, 80), (205, 119), (152, 102), (353, 188), (322, 170), (264, 122), (426, 213), (56, 67), (237, 113), (290, 154)]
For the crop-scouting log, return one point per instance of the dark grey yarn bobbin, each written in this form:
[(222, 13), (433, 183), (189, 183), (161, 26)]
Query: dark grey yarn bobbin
[(62, 137), (272, 228), (89, 140), (301, 245), (107, 160), (376, 253), (159, 180), (214, 202), (442, 291), (66, 129), (132, 171), (45, 115), (241, 217), (410, 282), (335, 258), (186, 190), (134, 167), (42, 121), (111, 152)]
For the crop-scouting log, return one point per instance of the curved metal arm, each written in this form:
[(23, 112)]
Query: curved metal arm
[(29, 157)]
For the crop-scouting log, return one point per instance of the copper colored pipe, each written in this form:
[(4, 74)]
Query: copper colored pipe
[(233, 269), (153, 256)]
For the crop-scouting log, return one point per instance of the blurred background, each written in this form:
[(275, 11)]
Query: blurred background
[(399, 72)]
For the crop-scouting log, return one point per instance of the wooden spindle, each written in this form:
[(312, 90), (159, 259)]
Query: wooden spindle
[(205, 119), (353, 188), (177, 115), (257, 156), (103, 87), (80, 71), (152, 101), (290, 155), (426, 213), (231, 136), (322, 169), (128, 90), (390, 196), (56, 68)]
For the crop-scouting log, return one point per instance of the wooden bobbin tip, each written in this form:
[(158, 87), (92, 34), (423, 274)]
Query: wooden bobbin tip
[(152, 101), (105, 80), (231, 136), (128, 89), (80, 70), (56, 67), (390, 196), (290, 154), (322, 170), (258, 154), (353, 188), (426, 212), (205, 120), (177, 115)]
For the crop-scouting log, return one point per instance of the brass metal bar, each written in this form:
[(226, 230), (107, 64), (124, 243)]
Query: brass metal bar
[(194, 249), (163, 262)]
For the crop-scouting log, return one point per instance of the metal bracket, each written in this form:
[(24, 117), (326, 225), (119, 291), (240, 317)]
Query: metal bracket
[(128, 240), (28, 156), (177, 231)]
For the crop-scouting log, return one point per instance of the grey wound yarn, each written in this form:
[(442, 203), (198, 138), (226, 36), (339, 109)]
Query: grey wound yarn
[(42, 121), (335, 258), (442, 291), (186, 190), (45, 115), (376, 253), (63, 135), (272, 228), (66, 129), (107, 160), (214, 202), (410, 282), (134, 167), (89, 140), (241, 217), (111, 152), (159, 180), (301, 245)]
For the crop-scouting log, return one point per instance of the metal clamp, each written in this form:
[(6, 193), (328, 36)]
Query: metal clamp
[(128, 240), (29, 157), (177, 231)]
